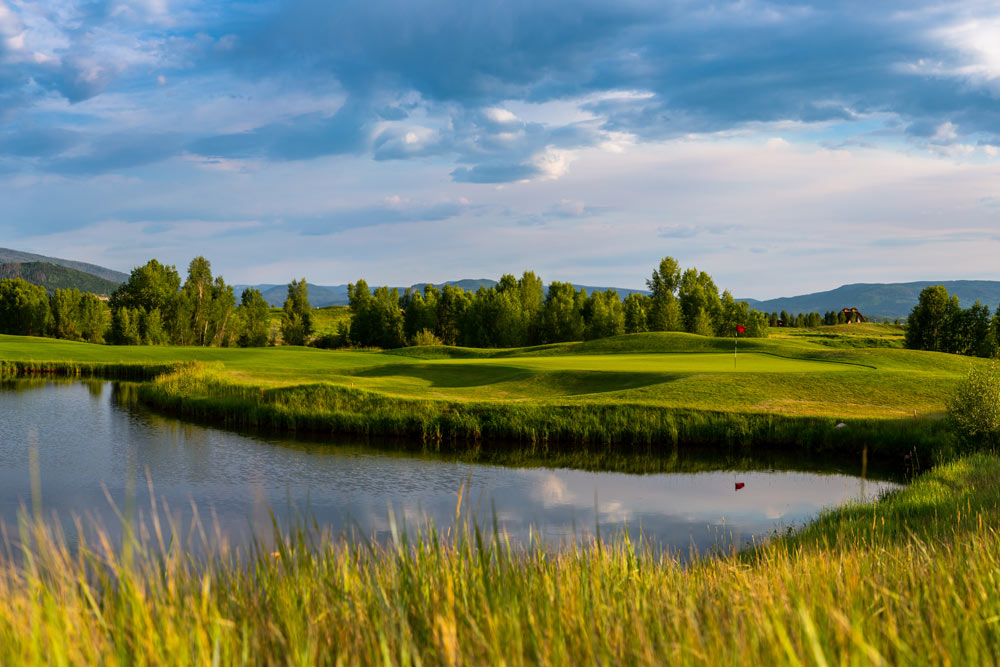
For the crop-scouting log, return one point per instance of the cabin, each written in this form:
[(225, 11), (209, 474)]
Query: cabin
[(853, 315)]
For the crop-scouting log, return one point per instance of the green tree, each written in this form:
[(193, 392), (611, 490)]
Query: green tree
[(24, 308), (151, 329), (494, 318), (223, 328), (420, 311), (603, 315), (125, 326), (929, 325), (150, 286), (65, 307), (562, 313), (974, 408), (198, 293), (531, 292), (699, 301), (296, 315), (254, 314), (664, 312), (94, 318), (451, 308), (635, 313)]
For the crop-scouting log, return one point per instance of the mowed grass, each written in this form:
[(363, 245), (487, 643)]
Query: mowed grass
[(790, 374), (911, 579)]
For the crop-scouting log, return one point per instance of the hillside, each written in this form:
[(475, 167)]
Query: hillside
[(18, 257), (53, 277), (883, 300)]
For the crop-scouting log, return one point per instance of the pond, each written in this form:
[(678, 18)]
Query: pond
[(90, 447)]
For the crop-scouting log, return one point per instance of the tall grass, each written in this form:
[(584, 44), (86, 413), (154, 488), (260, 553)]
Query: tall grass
[(204, 392), (111, 370), (914, 579)]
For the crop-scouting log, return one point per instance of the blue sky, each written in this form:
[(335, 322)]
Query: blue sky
[(782, 147)]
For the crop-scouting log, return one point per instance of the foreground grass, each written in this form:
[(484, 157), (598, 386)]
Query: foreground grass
[(913, 579)]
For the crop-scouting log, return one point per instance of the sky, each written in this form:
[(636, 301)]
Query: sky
[(783, 147)]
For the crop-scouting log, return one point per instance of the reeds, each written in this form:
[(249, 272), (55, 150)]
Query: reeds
[(110, 370), (913, 579)]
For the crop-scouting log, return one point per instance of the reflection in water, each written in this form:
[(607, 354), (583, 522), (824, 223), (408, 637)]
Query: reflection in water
[(90, 436)]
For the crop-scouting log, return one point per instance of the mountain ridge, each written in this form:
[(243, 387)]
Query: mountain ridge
[(55, 276), (881, 300), (9, 256)]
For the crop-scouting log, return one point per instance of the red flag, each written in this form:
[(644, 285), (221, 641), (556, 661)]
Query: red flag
[(740, 328), (739, 485)]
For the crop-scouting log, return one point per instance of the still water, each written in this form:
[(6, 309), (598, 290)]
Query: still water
[(90, 444)]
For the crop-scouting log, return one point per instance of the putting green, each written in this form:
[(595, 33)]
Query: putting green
[(749, 362)]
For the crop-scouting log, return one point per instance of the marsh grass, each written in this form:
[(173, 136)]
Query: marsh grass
[(909, 579), (74, 369)]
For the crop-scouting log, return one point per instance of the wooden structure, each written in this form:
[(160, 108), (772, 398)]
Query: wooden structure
[(853, 315)]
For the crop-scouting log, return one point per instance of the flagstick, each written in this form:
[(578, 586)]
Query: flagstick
[(736, 344)]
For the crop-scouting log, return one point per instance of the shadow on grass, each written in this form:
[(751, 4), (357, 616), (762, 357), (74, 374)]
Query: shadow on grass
[(559, 383)]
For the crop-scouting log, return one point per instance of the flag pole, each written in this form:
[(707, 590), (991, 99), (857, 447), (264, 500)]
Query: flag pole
[(736, 344)]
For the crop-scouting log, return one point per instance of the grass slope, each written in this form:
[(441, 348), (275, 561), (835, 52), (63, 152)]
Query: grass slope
[(911, 579)]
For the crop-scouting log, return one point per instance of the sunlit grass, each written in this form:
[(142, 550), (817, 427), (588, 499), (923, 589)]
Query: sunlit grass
[(659, 388)]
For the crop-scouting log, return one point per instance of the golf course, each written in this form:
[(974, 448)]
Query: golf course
[(907, 578), (651, 388)]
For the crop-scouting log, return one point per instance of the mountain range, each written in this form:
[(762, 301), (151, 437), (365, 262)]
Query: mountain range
[(54, 276), (8, 256), (879, 300)]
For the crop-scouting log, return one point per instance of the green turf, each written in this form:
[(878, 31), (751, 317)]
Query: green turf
[(788, 375)]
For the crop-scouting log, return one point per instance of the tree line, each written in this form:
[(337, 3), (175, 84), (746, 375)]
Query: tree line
[(522, 311), (153, 307), (938, 323)]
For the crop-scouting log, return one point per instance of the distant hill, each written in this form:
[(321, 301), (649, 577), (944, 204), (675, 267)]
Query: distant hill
[(882, 300), (321, 296), (53, 277), (16, 256)]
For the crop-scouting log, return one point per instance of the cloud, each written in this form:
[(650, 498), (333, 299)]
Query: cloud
[(687, 231), (496, 173), (119, 152), (37, 141), (303, 137), (393, 210)]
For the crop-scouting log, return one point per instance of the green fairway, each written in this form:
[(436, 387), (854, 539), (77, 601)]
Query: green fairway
[(794, 374)]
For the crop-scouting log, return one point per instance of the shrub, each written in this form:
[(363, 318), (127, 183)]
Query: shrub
[(426, 337), (974, 409)]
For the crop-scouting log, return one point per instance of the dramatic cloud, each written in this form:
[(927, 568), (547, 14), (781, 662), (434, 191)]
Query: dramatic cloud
[(306, 117)]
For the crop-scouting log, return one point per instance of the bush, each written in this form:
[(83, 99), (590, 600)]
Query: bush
[(426, 337), (974, 409)]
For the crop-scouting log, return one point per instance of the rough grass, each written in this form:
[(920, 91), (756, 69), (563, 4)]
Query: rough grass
[(911, 579)]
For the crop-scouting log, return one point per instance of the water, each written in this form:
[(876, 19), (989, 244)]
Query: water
[(90, 445)]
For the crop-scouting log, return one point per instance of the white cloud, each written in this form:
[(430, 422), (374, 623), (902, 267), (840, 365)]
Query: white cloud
[(553, 163), (502, 116)]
